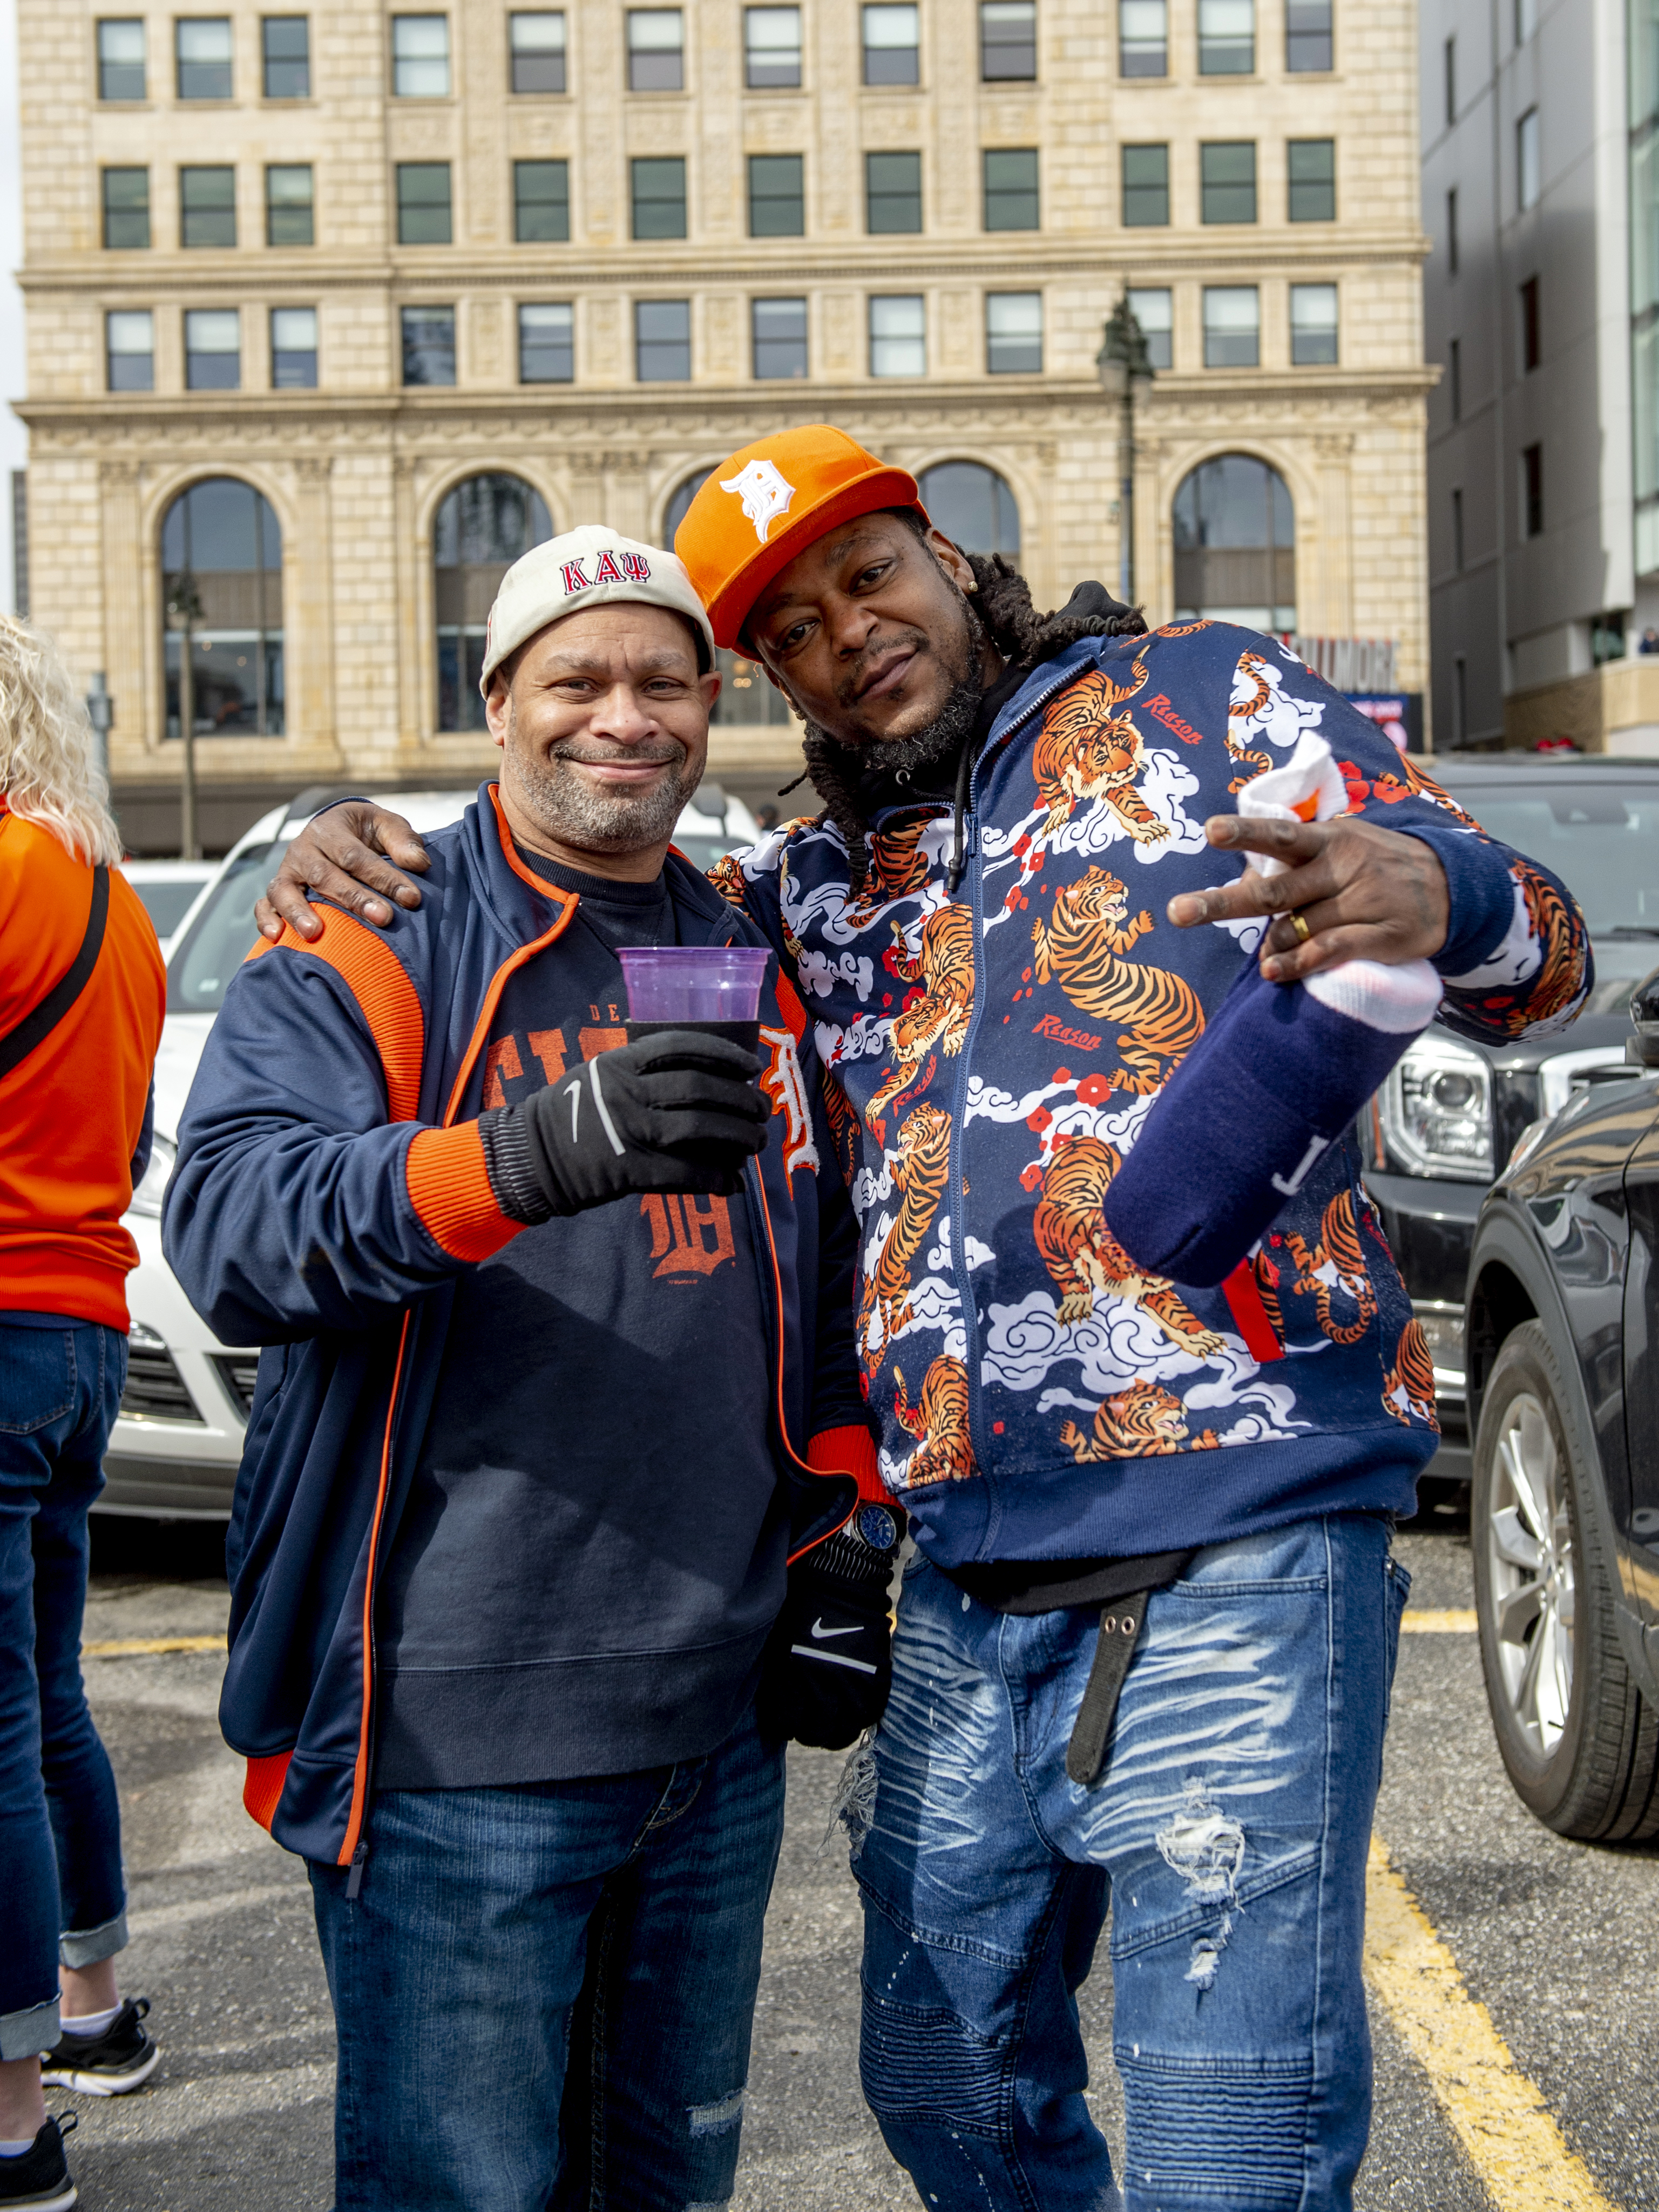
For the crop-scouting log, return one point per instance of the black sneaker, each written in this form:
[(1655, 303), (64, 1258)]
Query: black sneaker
[(39, 2180), (106, 2066)]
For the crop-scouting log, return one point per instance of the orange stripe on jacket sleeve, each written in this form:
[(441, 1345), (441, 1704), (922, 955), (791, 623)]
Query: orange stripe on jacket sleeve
[(851, 1450), (449, 1188), (263, 1786), (380, 983)]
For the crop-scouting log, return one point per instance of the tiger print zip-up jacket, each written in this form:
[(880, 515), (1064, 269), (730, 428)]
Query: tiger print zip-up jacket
[(989, 1058)]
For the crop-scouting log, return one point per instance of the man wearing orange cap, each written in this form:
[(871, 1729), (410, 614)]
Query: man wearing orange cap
[(1005, 929)]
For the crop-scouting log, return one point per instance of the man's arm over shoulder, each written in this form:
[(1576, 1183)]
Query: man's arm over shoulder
[(305, 1195)]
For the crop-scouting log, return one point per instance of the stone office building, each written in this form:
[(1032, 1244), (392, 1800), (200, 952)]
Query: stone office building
[(334, 310)]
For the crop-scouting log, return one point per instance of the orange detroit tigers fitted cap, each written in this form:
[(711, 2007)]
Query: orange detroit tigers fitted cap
[(767, 503)]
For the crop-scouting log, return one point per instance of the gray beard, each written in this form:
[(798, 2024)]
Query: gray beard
[(577, 816)]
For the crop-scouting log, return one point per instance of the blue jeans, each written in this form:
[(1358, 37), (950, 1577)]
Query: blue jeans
[(1228, 1832), (543, 1995), (60, 1826)]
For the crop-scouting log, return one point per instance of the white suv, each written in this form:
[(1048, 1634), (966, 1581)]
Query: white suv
[(175, 1448)]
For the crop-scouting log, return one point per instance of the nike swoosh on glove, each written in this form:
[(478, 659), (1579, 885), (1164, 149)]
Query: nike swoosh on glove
[(678, 1111), (828, 1666)]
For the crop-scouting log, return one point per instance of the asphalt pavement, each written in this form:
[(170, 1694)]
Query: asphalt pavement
[(1555, 1940)]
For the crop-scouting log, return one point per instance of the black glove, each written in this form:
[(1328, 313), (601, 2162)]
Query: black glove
[(830, 1663), (677, 1111)]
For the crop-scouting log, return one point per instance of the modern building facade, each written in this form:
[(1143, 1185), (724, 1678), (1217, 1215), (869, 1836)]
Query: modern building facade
[(332, 311), (1540, 194)]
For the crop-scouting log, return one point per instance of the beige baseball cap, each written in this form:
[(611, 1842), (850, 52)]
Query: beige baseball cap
[(586, 568)]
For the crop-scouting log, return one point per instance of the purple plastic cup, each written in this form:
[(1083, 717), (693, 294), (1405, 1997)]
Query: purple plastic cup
[(694, 982)]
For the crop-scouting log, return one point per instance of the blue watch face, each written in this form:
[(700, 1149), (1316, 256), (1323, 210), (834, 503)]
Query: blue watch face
[(878, 1528)]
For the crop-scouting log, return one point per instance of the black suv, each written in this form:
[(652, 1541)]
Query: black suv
[(1444, 1125)]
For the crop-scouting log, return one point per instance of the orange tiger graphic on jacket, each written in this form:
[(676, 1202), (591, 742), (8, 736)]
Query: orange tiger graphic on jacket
[(1335, 1268), (945, 967), (1158, 1012), (939, 1420), (918, 1174), (1408, 1386), (1251, 665), (1086, 751), (1142, 1422), (898, 869), (1083, 1256)]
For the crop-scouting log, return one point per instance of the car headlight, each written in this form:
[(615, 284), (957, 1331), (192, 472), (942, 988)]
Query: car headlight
[(1436, 1111), (147, 1197)]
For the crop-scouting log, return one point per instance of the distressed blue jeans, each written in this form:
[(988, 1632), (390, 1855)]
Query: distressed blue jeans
[(60, 1825), (543, 1996), (1228, 1833)]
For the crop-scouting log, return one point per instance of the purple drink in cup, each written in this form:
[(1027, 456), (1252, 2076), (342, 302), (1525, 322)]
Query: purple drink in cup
[(694, 986)]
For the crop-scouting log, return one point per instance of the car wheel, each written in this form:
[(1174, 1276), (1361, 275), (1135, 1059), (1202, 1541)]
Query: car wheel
[(1580, 1742)]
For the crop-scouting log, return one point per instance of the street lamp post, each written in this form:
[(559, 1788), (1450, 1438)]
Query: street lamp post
[(185, 611), (1120, 364), (101, 713)]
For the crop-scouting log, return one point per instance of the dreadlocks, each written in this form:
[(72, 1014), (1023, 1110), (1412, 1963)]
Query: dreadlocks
[(1000, 608)]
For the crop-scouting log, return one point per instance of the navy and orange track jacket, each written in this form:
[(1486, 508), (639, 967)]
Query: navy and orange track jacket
[(330, 1189)]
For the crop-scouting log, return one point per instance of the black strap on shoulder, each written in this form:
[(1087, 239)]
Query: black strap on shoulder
[(20, 1040), (1119, 1631)]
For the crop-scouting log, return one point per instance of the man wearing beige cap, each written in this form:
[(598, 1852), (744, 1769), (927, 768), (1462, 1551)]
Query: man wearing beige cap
[(561, 1376)]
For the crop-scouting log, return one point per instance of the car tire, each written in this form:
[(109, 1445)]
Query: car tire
[(1579, 1741)]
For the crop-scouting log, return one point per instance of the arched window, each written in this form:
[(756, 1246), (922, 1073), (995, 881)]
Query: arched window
[(221, 584), (1235, 544), (480, 529), (973, 507), (681, 500)]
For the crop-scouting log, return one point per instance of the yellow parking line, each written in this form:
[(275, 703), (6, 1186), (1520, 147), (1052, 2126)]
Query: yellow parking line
[(1499, 2116), (143, 1647), (1447, 1620)]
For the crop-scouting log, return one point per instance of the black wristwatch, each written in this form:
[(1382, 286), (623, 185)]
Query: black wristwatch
[(863, 1546)]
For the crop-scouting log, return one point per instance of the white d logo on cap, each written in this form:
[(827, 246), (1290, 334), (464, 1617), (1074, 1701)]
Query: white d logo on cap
[(765, 494)]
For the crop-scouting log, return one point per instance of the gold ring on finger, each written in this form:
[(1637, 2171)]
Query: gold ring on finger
[(1299, 924)]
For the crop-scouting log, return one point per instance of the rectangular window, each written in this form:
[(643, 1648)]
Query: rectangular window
[(1143, 38), (1145, 187), (1451, 232), (213, 349), (1153, 310), (771, 48), (892, 193), (293, 348), (1457, 527), (126, 207), (207, 207), (428, 345), (130, 350), (778, 330), (892, 45), (1531, 335), (1448, 64), (536, 59), (1455, 379), (1310, 164), (1226, 38), (1007, 39), (898, 335), (1532, 491), (288, 209), (1227, 171), (662, 341), (1232, 326), (1010, 188), (420, 57), (1313, 325), (656, 51), (1527, 185), (659, 196), (202, 51), (424, 205), (1014, 333), (547, 343), (541, 202), (286, 44), (1308, 34), (121, 76), (777, 196)]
